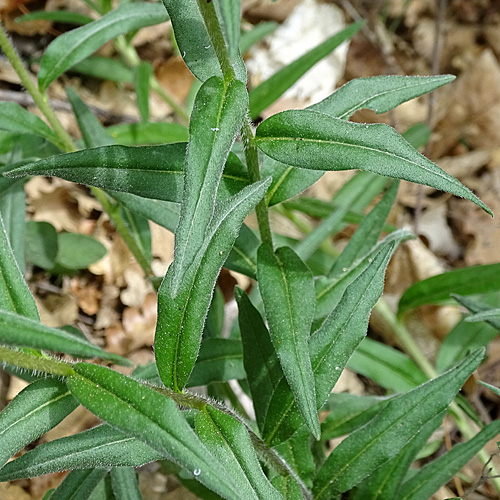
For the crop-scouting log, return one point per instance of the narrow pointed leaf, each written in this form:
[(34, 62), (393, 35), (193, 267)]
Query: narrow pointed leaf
[(150, 417), (16, 330), (125, 484), (255, 34), (287, 289), (58, 16), (216, 119), (34, 411), (438, 472), (150, 171), (104, 68), (101, 446), (182, 307), (309, 139), (378, 93), (492, 316), (194, 41), (79, 484), (381, 439), (468, 281), (231, 14), (133, 134), (15, 295), (75, 45), (261, 363), (13, 210), (142, 76), (14, 118), (479, 308), (366, 235), (229, 442), (267, 92), (288, 487), (385, 481)]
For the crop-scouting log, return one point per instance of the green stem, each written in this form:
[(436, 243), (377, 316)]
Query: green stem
[(120, 226), (252, 159), (212, 24), (40, 98), (403, 335), (35, 363)]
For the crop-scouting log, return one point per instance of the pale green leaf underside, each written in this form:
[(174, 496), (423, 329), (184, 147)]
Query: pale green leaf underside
[(75, 45), (309, 139)]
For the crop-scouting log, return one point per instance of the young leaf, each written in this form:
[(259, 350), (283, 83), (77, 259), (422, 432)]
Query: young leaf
[(79, 484), (14, 118), (381, 439), (100, 446), (194, 41), (216, 119), (309, 139), (75, 45), (124, 484), (229, 442), (16, 330), (15, 295), (378, 93), (34, 411), (219, 360), (480, 310), (468, 281), (433, 475), (287, 290), (183, 303), (268, 91), (150, 417)]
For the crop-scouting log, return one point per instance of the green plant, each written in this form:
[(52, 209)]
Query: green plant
[(317, 302)]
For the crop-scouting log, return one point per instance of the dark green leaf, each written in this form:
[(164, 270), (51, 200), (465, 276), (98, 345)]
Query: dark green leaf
[(14, 118), (468, 281), (78, 251), (104, 68), (79, 484), (287, 290), (142, 76), (22, 331), (230, 443), (133, 134), (151, 417), (75, 45), (124, 483), (382, 439), (41, 244), (139, 229), (309, 139), (15, 295), (194, 41), (183, 304), (58, 16), (378, 93), (34, 411), (100, 446), (288, 487), (268, 91), (219, 360), (231, 14), (433, 475)]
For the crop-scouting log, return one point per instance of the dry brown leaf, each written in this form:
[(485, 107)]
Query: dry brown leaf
[(138, 287), (87, 293), (107, 314), (57, 310), (9, 491)]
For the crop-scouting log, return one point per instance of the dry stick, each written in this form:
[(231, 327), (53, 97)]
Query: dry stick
[(436, 57)]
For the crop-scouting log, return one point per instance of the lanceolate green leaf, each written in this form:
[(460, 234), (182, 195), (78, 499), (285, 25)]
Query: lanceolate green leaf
[(182, 306), (231, 14), (151, 417), (58, 16), (230, 443), (75, 45), (267, 92), (79, 484), (216, 119), (433, 475), (381, 439), (133, 134), (101, 446), (150, 171), (34, 411), (287, 290), (309, 139), (194, 41), (14, 118), (15, 295), (378, 93), (481, 311), (467, 281), (13, 210), (256, 33), (16, 330), (124, 483)]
